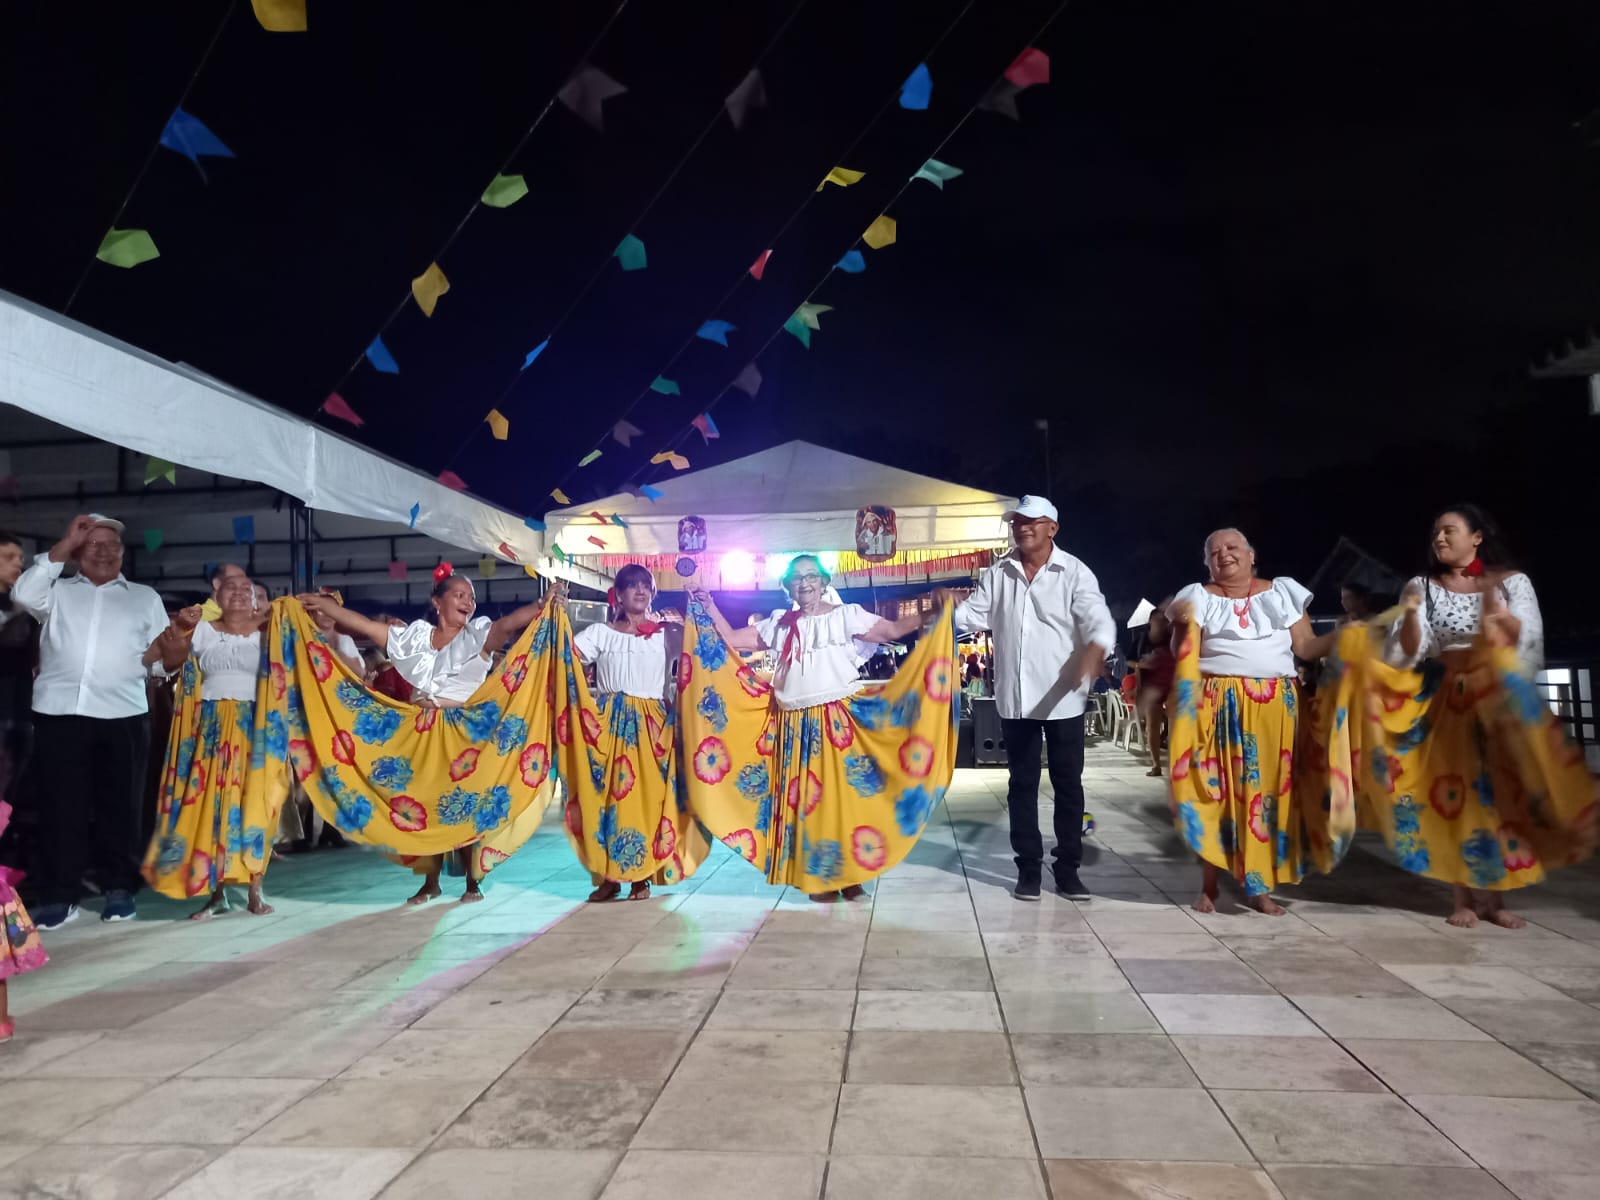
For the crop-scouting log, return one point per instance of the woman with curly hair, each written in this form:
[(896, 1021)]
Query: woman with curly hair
[(820, 780)]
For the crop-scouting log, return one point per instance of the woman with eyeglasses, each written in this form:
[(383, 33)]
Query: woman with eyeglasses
[(211, 829), (819, 780)]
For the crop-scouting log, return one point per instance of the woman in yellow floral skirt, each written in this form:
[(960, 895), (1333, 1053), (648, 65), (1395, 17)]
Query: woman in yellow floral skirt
[(1235, 716), (819, 780), (20, 948), (1470, 776), (626, 814)]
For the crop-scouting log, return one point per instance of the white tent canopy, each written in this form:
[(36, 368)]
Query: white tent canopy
[(72, 375), (796, 496)]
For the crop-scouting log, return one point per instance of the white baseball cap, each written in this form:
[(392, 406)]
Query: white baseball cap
[(1033, 506), (101, 521)]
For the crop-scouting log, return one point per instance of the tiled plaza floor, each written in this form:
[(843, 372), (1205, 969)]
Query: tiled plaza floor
[(730, 1041)]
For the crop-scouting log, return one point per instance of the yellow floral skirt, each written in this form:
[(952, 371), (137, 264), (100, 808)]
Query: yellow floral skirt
[(627, 816), (212, 828), (1468, 774), (817, 798)]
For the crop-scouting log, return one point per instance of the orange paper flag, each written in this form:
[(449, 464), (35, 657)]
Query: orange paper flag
[(500, 427), (559, 496)]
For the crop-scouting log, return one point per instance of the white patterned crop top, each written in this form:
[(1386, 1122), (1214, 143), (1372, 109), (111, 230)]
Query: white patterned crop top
[(1450, 621)]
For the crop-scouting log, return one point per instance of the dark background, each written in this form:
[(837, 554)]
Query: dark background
[(1279, 266)]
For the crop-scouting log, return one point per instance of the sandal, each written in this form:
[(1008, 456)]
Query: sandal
[(609, 890), (640, 890)]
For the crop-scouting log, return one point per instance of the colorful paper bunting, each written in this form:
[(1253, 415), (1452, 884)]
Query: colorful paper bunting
[(127, 247), (452, 481), (853, 263), (618, 521), (649, 493), (505, 191), (751, 94), (1031, 66), (380, 358), (416, 511), (586, 93), (534, 524), (507, 551), (599, 543), (631, 489), (800, 330), (678, 461), (665, 386), (759, 267), (153, 539), (1002, 99), (281, 16), (590, 457), (428, 287), (487, 566), (715, 331), (531, 571), (598, 519), (917, 90), (936, 172), (159, 468), (397, 570), (336, 406), (809, 314), (748, 380), (187, 134), (244, 530), (880, 233), (498, 425), (557, 553), (625, 432), (843, 176), (559, 496), (527, 360), (630, 253), (707, 427)]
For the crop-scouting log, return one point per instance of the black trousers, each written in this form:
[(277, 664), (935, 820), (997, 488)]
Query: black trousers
[(88, 778), (1064, 739)]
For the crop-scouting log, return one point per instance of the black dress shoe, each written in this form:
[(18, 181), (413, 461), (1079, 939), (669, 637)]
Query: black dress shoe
[(1027, 885)]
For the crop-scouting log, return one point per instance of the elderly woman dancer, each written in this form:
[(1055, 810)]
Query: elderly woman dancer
[(827, 782), (444, 659), (1476, 783), (1235, 713), (211, 829)]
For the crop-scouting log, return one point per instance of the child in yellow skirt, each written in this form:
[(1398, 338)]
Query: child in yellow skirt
[(20, 948)]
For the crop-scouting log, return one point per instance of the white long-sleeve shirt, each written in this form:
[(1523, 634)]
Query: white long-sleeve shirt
[(1037, 627), (92, 642)]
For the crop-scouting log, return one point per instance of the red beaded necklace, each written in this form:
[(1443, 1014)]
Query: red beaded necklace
[(1242, 612)]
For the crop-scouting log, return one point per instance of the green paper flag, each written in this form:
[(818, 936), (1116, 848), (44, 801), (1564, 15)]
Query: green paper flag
[(665, 386), (159, 468), (630, 253), (505, 191), (590, 457), (808, 313), (936, 173), (152, 540), (800, 330), (127, 247)]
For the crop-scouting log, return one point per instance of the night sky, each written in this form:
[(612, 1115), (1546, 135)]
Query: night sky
[(1280, 266)]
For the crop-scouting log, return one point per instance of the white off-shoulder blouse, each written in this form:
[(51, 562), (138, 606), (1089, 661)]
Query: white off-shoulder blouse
[(623, 662), (1251, 640), (453, 673), (828, 667), (229, 662)]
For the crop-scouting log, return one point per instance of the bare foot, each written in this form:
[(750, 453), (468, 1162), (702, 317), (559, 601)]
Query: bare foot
[(1266, 904), (472, 895), (1463, 918), (824, 897), (609, 890), (428, 891), (640, 890), (1494, 911), (258, 907), (217, 904), (1206, 904), (854, 892)]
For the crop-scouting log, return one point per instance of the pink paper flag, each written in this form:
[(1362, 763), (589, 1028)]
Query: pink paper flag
[(594, 541), (758, 267), (507, 552), (451, 480), (707, 427), (749, 380), (1032, 66), (397, 570), (625, 432), (336, 406)]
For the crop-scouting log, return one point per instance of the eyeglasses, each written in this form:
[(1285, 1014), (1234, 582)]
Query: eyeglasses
[(808, 577), (103, 546)]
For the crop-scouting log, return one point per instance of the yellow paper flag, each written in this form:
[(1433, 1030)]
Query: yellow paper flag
[(428, 287), (559, 496), (281, 16), (531, 571), (678, 461), (880, 233), (843, 176), (498, 425), (487, 566)]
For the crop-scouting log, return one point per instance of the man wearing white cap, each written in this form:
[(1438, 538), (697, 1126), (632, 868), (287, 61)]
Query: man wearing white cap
[(92, 726), (1051, 632)]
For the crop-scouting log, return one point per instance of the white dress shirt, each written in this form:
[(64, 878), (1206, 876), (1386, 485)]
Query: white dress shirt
[(93, 641), (1037, 627)]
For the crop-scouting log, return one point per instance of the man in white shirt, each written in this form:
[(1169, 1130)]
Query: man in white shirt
[(1051, 631), (91, 724)]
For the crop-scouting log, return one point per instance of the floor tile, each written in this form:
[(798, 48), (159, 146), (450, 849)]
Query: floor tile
[(1387, 1017), (1160, 920), (297, 1049), (1529, 1185), (1318, 975), (441, 1054), (640, 1009), (773, 1055), (1229, 1015), (1087, 1179), (1043, 945), (480, 1008), (913, 1011), (958, 1059), (1430, 950), (1336, 1127), (784, 1009), (201, 1112), (1345, 1182), (1506, 1135), (717, 1176), (367, 1112), (798, 973), (736, 1114), (643, 1055), (295, 1173), (123, 1054), (523, 1111), (892, 1178), (1077, 1012), (1132, 1123), (1184, 946), (923, 944), (104, 1172), (1089, 1060), (1579, 1065), (28, 1051), (1315, 1064), (1459, 1069), (1076, 974), (1533, 1020), (926, 975), (1182, 975), (933, 1120), (1580, 983), (1475, 983), (505, 1174)]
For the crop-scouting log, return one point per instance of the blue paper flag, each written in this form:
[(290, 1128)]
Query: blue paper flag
[(380, 358), (916, 91), (534, 353), (416, 511), (534, 524), (186, 134), (715, 331), (651, 494), (853, 263), (244, 531)]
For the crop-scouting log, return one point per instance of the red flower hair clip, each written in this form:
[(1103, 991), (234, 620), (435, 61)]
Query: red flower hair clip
[(442, 572)]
